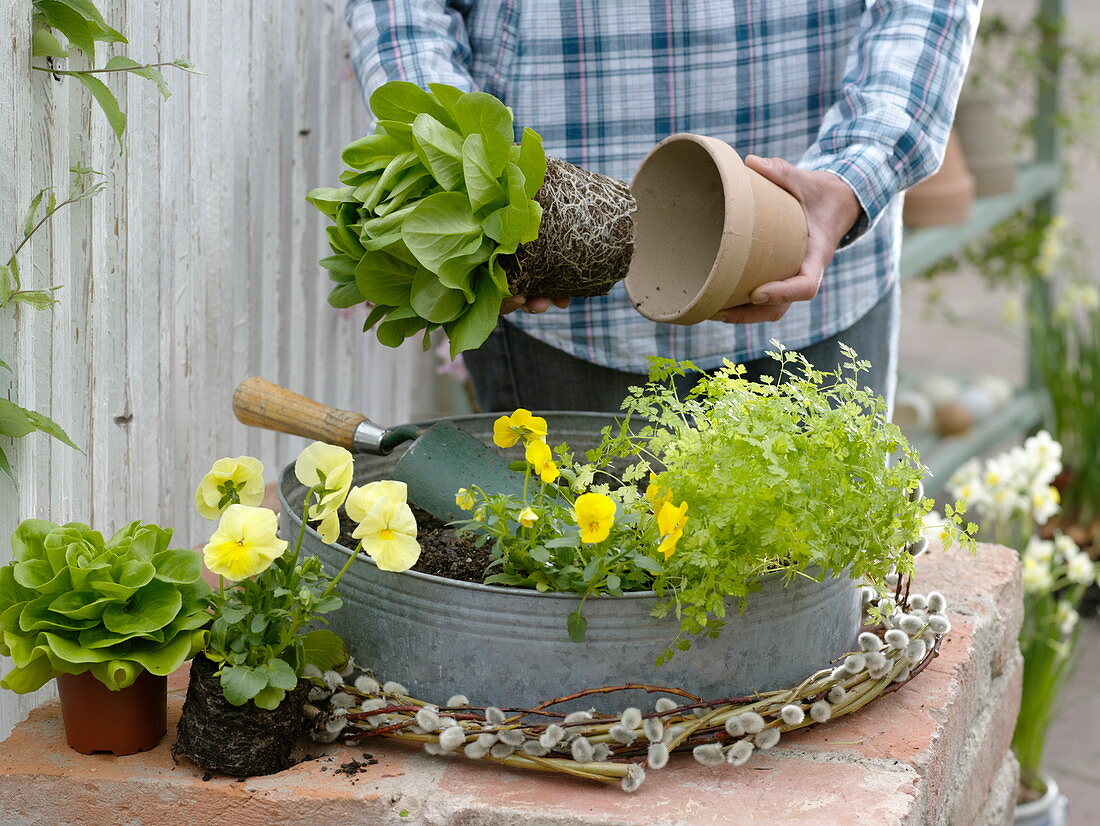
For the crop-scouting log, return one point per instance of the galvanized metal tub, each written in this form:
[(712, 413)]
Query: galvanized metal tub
[(509, 647)]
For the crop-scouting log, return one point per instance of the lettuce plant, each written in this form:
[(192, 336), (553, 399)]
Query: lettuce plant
[(71, 602), (433, 197)]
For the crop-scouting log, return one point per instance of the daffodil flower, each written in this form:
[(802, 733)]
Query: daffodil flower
[(331, 468), (464, 499), (388, 535), (527, 517), (538, 454), (245, 543), (362, 498), (595, 513), (230, 482), (522, 424), (670, 523)]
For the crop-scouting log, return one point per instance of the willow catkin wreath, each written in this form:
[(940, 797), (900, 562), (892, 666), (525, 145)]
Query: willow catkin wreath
[(902, 635)]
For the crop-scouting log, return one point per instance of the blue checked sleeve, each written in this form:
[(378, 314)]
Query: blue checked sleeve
[(889, 126), (422, 41)]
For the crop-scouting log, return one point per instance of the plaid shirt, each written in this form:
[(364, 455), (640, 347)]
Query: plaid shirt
[(865, 91)]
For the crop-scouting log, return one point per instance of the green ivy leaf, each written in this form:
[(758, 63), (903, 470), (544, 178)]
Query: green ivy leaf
[(150, 73), (6, 289), (80, 30), (17, 418), (14, 421), (45, 44), (37, 299), (107, 102)]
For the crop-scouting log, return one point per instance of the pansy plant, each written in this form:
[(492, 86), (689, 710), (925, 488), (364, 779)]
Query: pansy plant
[(267, 594)]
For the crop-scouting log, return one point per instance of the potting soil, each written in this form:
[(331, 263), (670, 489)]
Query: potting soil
[(443, 552), (239, 741)]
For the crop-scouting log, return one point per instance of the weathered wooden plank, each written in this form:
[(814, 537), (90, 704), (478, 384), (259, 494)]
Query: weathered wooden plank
[(195, 268)]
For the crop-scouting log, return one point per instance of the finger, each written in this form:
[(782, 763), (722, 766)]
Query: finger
[(778, 171), (536, 305), (750, 314), (801, 287), (804, 285), (511, 304), (560, 302)]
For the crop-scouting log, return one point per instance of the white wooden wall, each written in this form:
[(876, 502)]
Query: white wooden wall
[(194, 269)]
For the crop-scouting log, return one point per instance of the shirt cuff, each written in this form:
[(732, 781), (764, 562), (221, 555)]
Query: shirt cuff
[(869, 170)]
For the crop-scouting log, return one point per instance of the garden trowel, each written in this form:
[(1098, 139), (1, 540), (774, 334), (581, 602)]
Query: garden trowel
[(440, 460)]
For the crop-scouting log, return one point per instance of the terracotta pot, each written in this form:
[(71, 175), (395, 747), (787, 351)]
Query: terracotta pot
[(944, 198), (240, 741), (708, 231), (987, 144), (127, 721)]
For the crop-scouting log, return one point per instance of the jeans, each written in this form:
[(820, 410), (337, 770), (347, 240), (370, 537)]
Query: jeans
[(512, 369)]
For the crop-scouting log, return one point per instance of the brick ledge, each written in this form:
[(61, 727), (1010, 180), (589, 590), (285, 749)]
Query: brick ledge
[(934, 752)]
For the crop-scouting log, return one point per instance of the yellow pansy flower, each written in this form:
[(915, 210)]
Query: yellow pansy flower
[(595, 513), (527, 517), (670, 523), (388, 535), (329, 466), (656, 495), (230, 482), (538, 454), (245, 543), (363, 497), (522, 424), (464, 499)]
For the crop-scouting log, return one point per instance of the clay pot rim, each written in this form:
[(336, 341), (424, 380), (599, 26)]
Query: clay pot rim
[(738, 225)]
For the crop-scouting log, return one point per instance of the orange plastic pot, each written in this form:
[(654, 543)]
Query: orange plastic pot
[(126, 721)]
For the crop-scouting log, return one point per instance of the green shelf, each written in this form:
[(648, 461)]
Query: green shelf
[(944, 456), (922, 249)]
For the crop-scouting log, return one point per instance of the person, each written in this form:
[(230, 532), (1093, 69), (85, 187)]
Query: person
[(844, 103)]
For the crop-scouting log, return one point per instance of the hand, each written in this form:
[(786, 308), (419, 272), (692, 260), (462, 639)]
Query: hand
[(530, 305), (831, 210)]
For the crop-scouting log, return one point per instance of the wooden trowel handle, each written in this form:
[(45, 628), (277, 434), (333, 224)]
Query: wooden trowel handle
[(260, 403)]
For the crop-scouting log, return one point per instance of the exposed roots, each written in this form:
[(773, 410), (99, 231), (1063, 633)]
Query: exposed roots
[(585, 240)]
